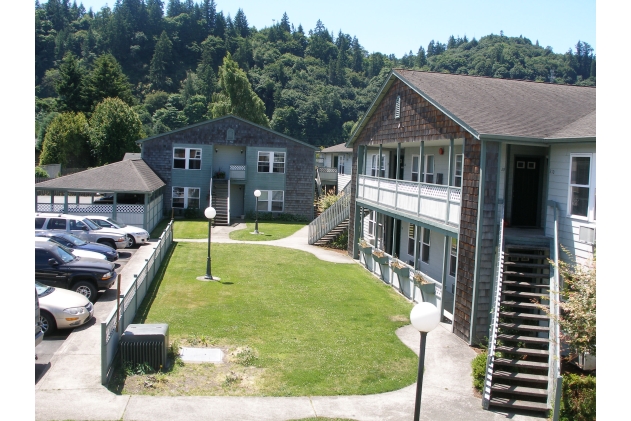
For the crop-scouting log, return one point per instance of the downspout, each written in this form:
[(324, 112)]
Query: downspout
[(144, 212), (476, 270)]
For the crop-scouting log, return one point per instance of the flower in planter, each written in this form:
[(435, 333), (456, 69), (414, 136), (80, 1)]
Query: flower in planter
[(396, 263), (364, 244), (220, 173), (420, 279), (378, 253)]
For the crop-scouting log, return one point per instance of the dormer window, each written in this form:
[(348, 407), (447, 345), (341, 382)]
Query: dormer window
[(397, 107)]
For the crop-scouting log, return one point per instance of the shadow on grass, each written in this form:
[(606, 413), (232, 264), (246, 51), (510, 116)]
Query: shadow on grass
[(141, 314)]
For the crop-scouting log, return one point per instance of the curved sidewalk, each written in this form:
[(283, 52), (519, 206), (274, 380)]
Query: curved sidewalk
[(71, 390)]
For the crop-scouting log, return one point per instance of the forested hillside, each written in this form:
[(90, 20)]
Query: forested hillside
[(173, 63)]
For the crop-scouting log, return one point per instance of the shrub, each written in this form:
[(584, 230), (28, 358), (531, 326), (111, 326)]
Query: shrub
[(340, 242), (327, 201), (271, 216), (40, 172), (578, 399), (479, 368), (192, 213)]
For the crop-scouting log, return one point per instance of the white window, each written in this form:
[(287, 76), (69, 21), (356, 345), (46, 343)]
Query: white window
[(425, 246), (187, 158), (582, 188), (340, 164), (458, 170), (453, 256), (428, 174), (375, 228), (411, 240), (271, 201), (373, 166), (415, 168), (271, 162), (185, 197)]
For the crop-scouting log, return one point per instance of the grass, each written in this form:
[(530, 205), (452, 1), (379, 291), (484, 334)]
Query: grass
[(267, 231), (316, 328)]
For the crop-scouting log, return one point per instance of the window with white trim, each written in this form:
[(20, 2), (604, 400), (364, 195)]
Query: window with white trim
[(185, 197), (271, 201), (271, 162), (425, 246), (373, 166), (582, 186), (340, 164), (415, 167), (458, 170), (453, 256), (187, 158), (428, 174), (411, 240)]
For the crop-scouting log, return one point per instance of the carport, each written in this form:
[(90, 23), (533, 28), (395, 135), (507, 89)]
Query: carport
[(80, 193)]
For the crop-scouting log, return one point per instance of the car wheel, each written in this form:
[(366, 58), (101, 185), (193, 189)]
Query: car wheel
[(47, 323), (85, 288), (107, 242), (130, 241)]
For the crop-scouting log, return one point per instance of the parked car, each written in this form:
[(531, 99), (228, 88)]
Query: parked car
[(74, 242), (75, 252), (57, 268), (135, 235), (82, 227), (62, 309), (121, 198), (39, 335)]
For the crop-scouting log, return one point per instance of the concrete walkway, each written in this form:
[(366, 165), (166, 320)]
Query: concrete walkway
[(72, 390)]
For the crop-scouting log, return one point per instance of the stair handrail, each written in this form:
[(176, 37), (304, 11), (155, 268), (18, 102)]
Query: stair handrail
[(554, 371), (495, 315), (337, 213)]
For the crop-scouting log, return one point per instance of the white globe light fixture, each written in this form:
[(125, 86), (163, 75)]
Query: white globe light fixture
[(424, 317), (257, 194), (210, 214)]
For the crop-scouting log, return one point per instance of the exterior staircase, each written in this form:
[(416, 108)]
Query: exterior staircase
[(522, 346), (333, 234), (220, 200)]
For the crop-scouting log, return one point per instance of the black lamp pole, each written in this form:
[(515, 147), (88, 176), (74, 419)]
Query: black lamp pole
[(256, 222), (208, 274), (419, 379)]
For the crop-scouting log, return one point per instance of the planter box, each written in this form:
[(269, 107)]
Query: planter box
[(429, 288), (383, 260), (367, 250), (402, 273)]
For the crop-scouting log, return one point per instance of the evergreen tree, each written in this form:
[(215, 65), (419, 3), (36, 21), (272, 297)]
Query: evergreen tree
[(69, 86), (209, 11), (421, 59), (358, 56), (161, 63), (236, 96), (241, 24), (107, 80), (284, 23), (114, 130)]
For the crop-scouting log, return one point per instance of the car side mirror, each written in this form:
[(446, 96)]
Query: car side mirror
[(52, 262), (85, 228)]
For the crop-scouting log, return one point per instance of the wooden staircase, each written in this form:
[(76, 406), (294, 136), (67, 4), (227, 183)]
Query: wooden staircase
[(220, 198), (520, 371), (333, 234)]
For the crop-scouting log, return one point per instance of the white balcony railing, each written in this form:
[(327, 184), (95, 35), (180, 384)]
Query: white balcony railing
[(438, 202), (237, 172)]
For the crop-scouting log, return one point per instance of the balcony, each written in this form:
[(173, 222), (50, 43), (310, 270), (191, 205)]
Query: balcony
[(327, 175), (437, 202), (237, 172)]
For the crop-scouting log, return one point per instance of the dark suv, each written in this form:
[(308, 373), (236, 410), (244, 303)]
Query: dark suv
[(58, 268)]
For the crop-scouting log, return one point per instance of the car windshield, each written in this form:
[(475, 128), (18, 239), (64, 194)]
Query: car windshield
[(91, 224), (43, 290), (74, 240), (117, 223), (64, 248), (65, 256)]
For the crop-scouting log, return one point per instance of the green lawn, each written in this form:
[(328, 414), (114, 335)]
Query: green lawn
[(267, 231), (318, 328)]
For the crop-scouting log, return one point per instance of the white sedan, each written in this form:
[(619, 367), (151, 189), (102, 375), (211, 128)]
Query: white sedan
[(61, 308), (75, 252), (135, 235)]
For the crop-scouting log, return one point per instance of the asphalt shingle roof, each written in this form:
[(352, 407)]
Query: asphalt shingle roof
[(341, 148), (509, 107), (132, 175)]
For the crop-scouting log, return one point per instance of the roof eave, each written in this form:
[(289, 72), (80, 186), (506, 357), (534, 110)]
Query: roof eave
[(535, 140)]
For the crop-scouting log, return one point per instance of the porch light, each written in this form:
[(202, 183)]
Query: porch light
[(424, 317)]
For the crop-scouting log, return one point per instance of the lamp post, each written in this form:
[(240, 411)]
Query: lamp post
[(210, 214), (424, 317), (257, 194)]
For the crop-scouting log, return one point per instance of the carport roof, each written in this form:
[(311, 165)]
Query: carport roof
[(129, 176)]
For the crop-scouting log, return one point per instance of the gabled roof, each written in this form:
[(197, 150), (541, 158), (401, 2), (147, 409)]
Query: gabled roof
[(502, 107), (223, 118), (341, 148), (132, 175)]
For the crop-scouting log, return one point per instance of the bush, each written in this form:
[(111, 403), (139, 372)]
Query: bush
[(40, 172), (578, 399), (479, 368), (271, 216), (340, 242), (327, 201), (192, 213)]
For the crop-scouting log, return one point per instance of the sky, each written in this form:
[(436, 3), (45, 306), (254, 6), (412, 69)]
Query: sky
[(400, 27)]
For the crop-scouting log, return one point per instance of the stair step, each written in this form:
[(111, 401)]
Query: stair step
[(521, 338), (524, 327), (526, 247), (520, 390), (532, 378), (524, 284), (523, 304), (508, 254), (520, 363), (519, 315), (526, 274), (517, 404), (526, 294), (522, 351), (527, 265)]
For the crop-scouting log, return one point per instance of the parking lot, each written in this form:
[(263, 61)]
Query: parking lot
[(47, 348)]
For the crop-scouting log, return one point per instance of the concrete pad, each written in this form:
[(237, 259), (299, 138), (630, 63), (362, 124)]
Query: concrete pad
[(224, 408), (79, 405), (73, 372)]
